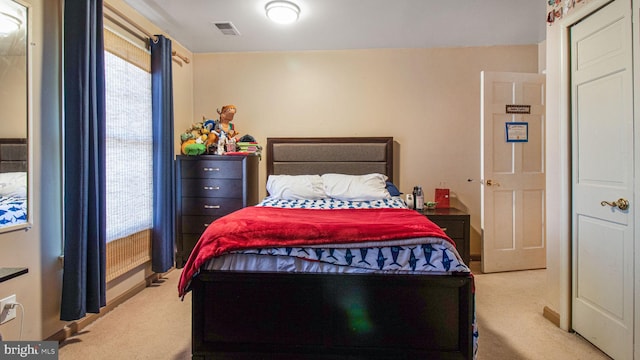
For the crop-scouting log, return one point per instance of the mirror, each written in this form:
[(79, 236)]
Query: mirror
[(14, 117)]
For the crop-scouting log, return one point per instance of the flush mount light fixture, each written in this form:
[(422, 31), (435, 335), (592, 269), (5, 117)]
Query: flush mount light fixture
[(282, 12), (8, 24)]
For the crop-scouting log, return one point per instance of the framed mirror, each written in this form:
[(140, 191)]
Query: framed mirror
[(15, 115)]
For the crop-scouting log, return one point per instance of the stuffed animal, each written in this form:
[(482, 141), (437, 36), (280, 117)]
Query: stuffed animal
[(222, 142), (211, 136), (193, 140), (224, 123), (208, 127), (193, 148)]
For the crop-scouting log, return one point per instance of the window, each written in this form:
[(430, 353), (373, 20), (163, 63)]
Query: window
[(129, 148), (129, 155)]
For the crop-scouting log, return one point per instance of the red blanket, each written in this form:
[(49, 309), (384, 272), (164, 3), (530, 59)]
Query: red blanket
[(263, 227)]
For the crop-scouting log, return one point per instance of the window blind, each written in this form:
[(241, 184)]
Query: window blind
[(129, 142), (129, 147)]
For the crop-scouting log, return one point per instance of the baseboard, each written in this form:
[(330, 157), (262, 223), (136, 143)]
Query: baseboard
[(76, 326), (551, 315)]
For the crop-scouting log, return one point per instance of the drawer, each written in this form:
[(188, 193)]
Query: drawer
[(454, 228), (222, 188), (196, 224), (211, 169), (209, 206)]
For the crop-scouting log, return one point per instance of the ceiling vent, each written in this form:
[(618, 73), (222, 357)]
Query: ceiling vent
[(227, 28)]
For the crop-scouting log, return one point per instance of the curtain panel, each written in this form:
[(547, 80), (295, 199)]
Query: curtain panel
[(83, 286), (162, 248)]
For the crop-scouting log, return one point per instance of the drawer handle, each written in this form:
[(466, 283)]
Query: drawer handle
[(443, 229), (211, 206), (211, 187), (211, 169)]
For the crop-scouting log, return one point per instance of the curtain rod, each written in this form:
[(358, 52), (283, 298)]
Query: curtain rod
[(139, 28), (182, 57)]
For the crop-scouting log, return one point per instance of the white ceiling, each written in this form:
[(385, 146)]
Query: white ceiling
[(349, 24)]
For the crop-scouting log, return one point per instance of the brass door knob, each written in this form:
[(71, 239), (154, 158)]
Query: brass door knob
[(491, 183), (622, 204)]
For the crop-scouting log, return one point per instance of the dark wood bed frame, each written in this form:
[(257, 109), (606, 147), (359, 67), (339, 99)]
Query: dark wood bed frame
[(235, 315), (13, 154)]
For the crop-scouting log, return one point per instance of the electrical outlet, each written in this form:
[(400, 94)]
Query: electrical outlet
[(7, 314)]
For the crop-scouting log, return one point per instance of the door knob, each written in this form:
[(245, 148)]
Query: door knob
[(491, 183), (622, 204)]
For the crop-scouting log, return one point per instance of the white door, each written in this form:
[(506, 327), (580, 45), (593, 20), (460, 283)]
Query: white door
[(602, 171), (512, 171)]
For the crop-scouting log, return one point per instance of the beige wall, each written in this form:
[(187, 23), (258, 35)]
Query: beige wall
[(558, 219), (558, 177), (13, 99), (427, 99), (25, 248)]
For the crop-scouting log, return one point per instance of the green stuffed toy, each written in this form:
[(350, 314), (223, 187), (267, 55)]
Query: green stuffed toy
[(193, 144), (194, 149)]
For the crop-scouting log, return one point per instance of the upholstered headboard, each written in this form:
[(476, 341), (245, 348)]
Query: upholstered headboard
[(344, 155), (13, 155)]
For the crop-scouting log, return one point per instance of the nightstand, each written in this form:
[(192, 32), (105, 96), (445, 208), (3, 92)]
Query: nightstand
[(456, 224)]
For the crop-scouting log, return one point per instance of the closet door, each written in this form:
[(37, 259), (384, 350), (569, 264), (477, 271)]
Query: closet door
[(603, 165)]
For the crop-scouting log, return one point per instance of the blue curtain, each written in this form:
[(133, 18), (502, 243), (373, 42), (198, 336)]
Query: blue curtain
[(83, 286), (162, 248)]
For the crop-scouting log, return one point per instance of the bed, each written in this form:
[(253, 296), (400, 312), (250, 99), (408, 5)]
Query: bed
[(13, 181), (257, 302)]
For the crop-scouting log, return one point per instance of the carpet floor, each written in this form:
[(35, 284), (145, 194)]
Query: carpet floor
[(156, 325)]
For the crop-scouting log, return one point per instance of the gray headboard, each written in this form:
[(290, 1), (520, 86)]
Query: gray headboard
[(13, 155), (320, 155)]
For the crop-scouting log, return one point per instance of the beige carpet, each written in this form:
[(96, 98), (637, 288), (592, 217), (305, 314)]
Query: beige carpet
[(152, 325), (510, 322), (156, 325)]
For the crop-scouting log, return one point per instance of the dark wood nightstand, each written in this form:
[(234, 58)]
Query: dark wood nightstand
[(456, 224)]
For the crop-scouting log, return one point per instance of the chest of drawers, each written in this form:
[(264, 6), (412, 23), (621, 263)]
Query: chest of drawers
[(209, 187), (456, 224)]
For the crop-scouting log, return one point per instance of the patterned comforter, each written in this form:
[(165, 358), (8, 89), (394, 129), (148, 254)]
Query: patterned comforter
[(13, 210), (435, 254), (361, 236)]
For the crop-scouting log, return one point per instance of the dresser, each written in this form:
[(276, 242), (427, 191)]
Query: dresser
[(456, 224), (209, 187)]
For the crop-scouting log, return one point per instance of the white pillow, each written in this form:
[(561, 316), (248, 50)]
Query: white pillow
[(13, 184), (356, 187), (295, 187)]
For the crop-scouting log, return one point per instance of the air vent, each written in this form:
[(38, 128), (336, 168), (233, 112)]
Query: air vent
[(227, 28)]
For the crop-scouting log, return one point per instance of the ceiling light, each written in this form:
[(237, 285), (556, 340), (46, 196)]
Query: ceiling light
[(8, 24), (282, 12)]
